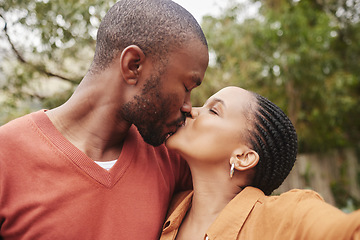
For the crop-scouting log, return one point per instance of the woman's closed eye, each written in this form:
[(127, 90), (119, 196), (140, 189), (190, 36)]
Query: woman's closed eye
[(213, 111)]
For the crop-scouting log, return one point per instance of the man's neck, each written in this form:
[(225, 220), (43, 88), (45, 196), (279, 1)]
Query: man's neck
[(99, 138), (90, 121)]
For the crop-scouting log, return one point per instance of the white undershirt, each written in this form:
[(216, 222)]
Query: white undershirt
[(106, 165)]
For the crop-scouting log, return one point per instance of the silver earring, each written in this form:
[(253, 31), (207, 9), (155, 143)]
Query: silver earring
[(232, 168)]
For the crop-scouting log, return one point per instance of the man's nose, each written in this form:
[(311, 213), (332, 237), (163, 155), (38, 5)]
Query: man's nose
[(186, 107)]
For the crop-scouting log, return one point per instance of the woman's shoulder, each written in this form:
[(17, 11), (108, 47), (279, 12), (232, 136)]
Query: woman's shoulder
[(297, 201), (301, 193), (295, 196)]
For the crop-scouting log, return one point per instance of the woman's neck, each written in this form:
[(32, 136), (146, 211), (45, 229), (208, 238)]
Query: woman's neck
[(212, 192)]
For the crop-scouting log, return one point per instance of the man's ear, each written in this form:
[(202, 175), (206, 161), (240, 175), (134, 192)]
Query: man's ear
[(131, 60), (244, 159)]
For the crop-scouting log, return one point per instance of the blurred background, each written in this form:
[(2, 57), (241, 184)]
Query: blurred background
[(303, 55)]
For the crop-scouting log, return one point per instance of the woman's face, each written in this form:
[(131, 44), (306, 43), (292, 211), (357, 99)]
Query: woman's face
[(217, 128)]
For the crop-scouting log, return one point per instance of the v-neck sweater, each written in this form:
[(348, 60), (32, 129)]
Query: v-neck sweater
[(49, 189)]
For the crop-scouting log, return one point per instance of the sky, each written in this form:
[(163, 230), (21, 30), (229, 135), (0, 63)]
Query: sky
[(199, 8)]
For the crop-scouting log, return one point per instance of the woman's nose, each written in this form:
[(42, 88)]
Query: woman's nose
[(195, 112)]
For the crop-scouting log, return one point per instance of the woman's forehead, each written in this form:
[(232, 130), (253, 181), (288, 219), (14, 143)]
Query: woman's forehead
[(232, 96)]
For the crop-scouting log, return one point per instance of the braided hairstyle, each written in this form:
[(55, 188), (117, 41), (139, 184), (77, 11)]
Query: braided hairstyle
[(274, 138)]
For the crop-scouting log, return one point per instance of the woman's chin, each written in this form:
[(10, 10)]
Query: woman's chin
[(168, 141), (171, 142)]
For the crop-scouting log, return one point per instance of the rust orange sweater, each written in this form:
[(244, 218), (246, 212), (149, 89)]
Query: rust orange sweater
[(49, 189)]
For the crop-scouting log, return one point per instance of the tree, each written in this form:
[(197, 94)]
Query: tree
[(301, 55), (45, 41)]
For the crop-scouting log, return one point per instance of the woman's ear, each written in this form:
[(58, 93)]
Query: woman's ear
[(131, 60), (244, 160)]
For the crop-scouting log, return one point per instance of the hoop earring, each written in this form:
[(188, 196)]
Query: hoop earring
[(232, 168)]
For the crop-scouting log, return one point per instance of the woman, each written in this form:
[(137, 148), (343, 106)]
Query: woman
[(240, 147)]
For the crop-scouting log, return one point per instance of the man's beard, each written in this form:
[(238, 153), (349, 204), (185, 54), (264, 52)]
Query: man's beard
[(150, 111)]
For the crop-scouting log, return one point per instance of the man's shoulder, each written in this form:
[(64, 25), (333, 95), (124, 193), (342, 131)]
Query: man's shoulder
[(20, 131), (16, 125)]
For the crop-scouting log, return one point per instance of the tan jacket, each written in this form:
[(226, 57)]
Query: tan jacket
[(297, 214)]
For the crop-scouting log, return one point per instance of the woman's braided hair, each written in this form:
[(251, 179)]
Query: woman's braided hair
[(273, 137)]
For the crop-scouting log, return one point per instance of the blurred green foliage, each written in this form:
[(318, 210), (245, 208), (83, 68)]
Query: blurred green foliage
[(46, 48), (301, 54)]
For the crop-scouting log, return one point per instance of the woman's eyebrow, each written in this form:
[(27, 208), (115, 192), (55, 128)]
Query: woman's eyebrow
[(216, 100)]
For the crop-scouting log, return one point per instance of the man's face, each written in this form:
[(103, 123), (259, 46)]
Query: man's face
[(149, 112), (159, 111)]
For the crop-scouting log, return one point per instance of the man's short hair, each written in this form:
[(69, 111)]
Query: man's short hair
[(156, 26)]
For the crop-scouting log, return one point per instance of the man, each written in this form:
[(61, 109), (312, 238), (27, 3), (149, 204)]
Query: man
[(149, 56)]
